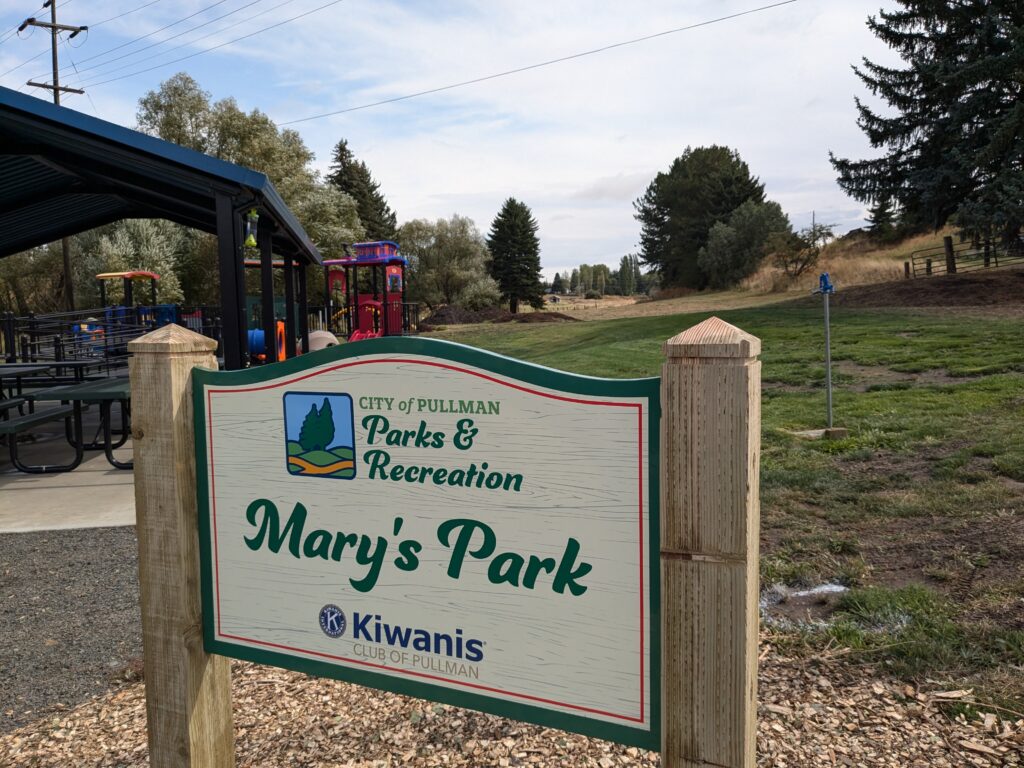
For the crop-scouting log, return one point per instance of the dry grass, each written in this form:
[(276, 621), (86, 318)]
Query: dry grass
[(849, 262)]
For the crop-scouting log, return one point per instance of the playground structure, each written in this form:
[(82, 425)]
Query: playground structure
[(364, 297), (372, 283)]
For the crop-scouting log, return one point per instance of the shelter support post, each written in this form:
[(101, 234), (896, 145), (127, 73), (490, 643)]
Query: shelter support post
[(289, 308), (303, 306), (232, 284), (267, 319), (711, 428), (328, 302), (188, 692)]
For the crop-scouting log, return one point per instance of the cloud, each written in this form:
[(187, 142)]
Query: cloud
[(577, 141)]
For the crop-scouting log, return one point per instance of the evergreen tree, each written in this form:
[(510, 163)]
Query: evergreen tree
[(317, 431), (952, 140), (881, 217), (703, 186), (515, 255), (354, 178), (574, 281), (557, 286)]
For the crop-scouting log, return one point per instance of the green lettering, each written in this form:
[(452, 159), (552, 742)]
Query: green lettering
[(270, 529), (317, 544), (567, 575), (465, 530), (505, 568), (378, 460), (533, 570)]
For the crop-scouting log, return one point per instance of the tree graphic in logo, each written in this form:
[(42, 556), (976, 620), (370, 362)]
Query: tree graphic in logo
[(319, 432)]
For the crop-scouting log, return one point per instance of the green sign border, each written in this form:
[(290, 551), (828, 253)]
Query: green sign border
[(516, 369)]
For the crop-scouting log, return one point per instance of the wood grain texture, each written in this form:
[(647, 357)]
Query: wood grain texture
[(709, 538), (188, 693)]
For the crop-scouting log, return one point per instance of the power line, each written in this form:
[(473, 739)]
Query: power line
[(88, 95), (193, 42), (229, 42), (14, 30), (26, 61), (33, 58), (126, 13), (547, 63), (155, 31), (161, 42)]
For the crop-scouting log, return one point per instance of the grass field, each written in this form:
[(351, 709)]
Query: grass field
[(920, 511)]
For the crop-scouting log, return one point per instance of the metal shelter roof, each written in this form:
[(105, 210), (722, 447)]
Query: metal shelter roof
[(63, 172)]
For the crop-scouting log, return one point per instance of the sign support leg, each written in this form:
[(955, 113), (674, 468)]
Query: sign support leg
[(711, 431), (828, 364), (188, 692)]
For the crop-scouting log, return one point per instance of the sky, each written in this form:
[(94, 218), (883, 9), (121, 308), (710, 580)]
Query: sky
[(577, 141)]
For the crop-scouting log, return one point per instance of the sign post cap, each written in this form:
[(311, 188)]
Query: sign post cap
[(174, 339), (713, 338)]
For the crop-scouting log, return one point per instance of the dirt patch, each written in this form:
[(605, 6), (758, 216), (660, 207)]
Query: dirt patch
[(868, 377), (997, 288), (452, 315), (537, 317)]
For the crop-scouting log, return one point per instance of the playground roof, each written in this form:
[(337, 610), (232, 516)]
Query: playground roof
[(63, 172)]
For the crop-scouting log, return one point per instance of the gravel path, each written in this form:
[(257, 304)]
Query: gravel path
[(69, 618)]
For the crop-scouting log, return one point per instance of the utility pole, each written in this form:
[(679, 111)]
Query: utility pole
[(55, 30)]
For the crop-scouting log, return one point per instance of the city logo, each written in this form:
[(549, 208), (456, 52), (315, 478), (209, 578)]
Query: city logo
[(319, 432), (332, 621)]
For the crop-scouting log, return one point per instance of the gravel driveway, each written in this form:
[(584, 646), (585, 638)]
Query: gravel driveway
[(69, 618)]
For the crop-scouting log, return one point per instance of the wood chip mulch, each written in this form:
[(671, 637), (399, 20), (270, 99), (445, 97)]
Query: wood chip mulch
[(813, 712)]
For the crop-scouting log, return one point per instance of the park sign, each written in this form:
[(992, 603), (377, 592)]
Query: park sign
[(435, 520)]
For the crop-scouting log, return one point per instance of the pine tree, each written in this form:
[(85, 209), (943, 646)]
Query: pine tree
[(881, 217), (557, 286), (574, 281), (515, 255), (954, 145), (703, 186), (317, 431), (353, 177)]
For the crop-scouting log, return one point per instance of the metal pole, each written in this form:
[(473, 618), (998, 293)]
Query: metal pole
[(65, 243), (828, 364)]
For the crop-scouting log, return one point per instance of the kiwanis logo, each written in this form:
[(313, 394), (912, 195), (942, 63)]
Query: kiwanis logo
[(319, 432), (332, 621)]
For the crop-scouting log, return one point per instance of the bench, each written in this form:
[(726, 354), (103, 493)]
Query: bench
[(9, 404), (13, 427)]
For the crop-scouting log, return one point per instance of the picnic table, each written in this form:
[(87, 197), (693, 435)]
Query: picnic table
[(105, 392), (11, 384)]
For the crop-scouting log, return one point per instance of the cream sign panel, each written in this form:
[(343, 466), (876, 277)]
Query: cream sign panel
[(439, 521)]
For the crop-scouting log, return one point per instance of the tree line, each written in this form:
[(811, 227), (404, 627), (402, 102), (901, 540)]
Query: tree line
[(450, 261), (596, 280), (952, 152)]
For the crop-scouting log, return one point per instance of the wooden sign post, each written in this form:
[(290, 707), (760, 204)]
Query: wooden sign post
[(188, 691), (711, 437), (436, 520)]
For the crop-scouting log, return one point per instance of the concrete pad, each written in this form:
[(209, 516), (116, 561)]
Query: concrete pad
[(833, 433), (95, 495)]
